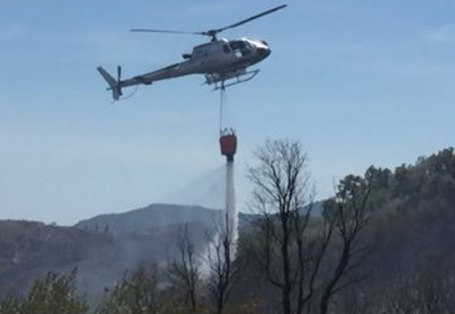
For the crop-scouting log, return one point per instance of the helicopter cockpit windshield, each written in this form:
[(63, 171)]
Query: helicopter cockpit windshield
[(241, 48)]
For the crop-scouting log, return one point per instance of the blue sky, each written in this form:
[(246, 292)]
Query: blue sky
[(357, 82)]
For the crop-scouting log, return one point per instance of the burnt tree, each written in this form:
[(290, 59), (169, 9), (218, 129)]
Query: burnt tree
[(185, 269), (283, 195), (296, 250), (349, 212), (224, 269)]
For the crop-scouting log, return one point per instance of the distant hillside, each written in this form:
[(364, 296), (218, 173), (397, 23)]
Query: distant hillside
[(152, 216), (102, 247), (30, 249), (160, 215)]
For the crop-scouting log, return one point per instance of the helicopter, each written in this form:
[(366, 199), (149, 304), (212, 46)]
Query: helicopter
[(223, 62)]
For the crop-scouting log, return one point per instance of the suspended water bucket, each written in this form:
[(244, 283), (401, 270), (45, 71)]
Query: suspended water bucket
[(228, 144)]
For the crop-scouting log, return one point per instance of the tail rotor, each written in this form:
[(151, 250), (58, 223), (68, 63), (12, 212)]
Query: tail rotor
[(119, 73)]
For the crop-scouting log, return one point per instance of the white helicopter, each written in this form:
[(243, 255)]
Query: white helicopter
[(223, 62)]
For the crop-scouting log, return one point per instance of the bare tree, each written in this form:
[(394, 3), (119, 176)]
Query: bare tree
[(224, 270), (283, 194), (294, 245), (349, 213), (185, 270)]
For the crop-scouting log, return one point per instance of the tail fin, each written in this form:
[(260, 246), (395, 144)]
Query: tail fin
[(114, 84)]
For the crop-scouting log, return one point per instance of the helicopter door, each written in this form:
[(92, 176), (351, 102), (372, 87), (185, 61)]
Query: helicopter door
[(240, 48)]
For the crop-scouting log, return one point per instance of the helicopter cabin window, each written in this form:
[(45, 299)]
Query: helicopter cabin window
[(240, 48)]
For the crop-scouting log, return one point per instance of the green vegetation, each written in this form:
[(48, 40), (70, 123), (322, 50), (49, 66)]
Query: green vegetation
[(55, 294)]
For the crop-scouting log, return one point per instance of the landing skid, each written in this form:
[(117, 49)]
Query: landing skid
[(224, 81)]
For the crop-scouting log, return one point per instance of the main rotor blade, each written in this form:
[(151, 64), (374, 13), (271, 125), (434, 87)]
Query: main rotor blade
[(147, 30), (251, 18)]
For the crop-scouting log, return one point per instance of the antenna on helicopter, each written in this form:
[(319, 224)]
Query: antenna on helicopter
[(213, 32)]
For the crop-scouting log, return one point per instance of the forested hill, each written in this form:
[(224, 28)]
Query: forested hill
[(428, 182), (410, 238), (152, 216), (102, 248), (412, 235), (29, 249), (163, 215)]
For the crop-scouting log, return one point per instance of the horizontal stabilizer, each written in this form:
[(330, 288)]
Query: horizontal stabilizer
[(114, 85)]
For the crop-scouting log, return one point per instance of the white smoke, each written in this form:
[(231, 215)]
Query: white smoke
[(205, 190)]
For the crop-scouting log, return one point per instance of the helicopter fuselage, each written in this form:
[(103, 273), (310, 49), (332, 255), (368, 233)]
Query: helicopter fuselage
[(224, 56), (218, 60)]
